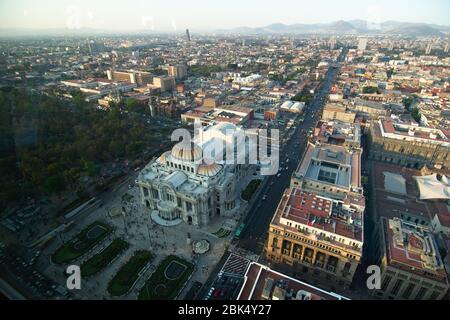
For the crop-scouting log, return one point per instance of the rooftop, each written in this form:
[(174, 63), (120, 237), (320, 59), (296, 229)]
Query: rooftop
[(397, 192), (331, 164), (338, 132), (263, 283), (413, 249), (402, 131), (320, 217)]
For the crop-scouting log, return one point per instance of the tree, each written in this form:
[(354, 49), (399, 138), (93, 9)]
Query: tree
[(134, 105), (54, 184), (78, 100), (415, 113), (370, 90)]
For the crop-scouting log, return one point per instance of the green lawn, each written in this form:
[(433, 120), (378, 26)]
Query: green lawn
[(222, 233), (102, 259), (127, 275), (81, 244), (159, 287), (247, 194)]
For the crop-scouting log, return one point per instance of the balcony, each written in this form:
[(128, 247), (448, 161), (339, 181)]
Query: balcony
[(331, 268), (320, 264), (308, 260)]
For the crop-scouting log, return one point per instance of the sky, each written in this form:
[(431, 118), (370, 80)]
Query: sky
[(207, 15)]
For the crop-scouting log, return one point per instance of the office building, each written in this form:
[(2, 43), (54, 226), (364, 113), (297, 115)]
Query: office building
[(318, 237), (179, 72), (262, 283), (410, 262), (164, 83)]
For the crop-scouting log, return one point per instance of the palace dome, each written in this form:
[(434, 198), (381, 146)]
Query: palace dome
[(209, 170), (187, 152), (162, 158)]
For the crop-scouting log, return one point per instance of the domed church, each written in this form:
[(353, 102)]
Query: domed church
[(182, 185)]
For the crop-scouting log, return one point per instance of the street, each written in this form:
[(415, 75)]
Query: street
[(258, 219)]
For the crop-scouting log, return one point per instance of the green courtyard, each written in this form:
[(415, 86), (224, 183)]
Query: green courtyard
[(103, 258), (128, 274), (168, 279), (82, 243)]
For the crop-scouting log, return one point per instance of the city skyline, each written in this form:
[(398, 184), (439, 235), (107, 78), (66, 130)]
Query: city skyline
[(201, 16)]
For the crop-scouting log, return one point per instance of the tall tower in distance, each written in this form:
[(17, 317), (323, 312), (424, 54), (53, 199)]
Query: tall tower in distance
[(362, 44), (188, 35), (428, 49)]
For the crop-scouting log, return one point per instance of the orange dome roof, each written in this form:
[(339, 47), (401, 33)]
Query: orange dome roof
[(209, 170), (162, 158), (187, 152)]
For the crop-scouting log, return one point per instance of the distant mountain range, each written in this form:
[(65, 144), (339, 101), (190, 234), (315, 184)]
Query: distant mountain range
[(353, 27), (341, 27)]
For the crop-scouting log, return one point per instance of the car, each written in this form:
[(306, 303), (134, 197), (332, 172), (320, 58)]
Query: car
[(279, 175), (217, 293), (264, 198)]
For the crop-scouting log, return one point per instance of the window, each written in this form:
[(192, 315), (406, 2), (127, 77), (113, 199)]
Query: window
[(386, 281), (407, 293), (327, 176), (421, 293), (397, 287), (434, 295)]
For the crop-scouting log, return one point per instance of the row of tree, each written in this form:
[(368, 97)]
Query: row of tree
[(47, 144)]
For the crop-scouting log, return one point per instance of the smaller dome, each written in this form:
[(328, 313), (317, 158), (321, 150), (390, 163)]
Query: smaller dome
[(162, 158), (187, 152), (209, 170)]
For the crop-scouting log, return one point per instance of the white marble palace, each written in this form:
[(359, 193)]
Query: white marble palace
[(181, 186)]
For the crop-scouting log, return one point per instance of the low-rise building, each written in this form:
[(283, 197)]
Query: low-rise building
[(409, 145), (338, 133), (334, 111), (330, 170), (410, 262), (263, 283), (316, 235)]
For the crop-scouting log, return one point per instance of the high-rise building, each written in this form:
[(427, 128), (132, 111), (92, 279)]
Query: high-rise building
[(179, 72), (332, 43), (133, 76), (164, 83), (447, 47), (95, 47), (362, 44), (428, 49), (188, 35)]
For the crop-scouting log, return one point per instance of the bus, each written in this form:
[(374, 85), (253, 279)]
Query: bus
[(239, 229)]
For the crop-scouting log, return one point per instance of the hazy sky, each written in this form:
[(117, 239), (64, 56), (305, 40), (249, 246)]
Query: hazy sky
[(177, 15)]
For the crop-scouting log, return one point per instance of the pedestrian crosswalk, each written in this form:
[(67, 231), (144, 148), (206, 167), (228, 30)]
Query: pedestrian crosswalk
[(235, 265)]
